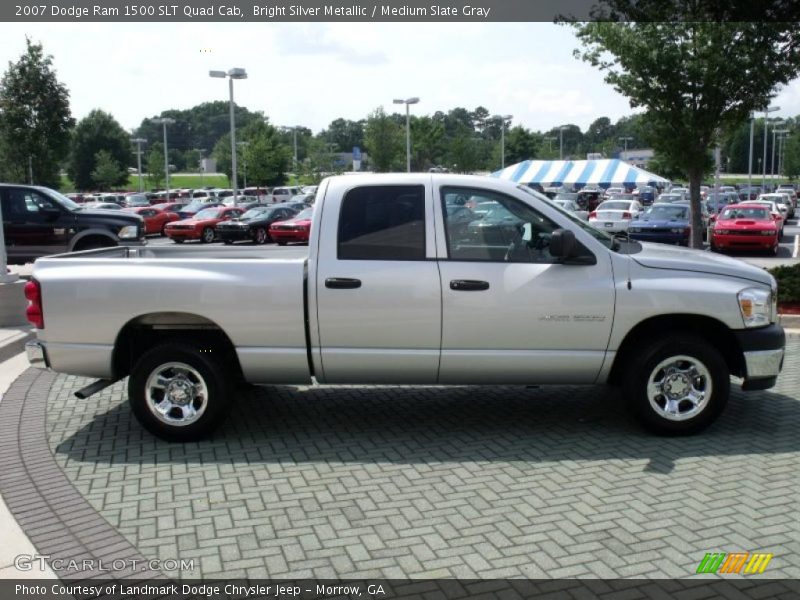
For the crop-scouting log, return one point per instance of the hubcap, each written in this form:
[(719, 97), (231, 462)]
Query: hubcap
[(679, 388), (176, 394)]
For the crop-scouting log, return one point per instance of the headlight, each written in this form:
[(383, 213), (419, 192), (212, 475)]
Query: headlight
[(767, 232), (720, 231), (129, 232), (634, 229), (676, 230), (756, 306)]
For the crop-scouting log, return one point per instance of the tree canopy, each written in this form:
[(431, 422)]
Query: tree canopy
[(35, 119), (98, 133)]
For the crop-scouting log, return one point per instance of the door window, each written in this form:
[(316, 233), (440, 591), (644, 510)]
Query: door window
[(25, 205), (483, 225), (382, 223)]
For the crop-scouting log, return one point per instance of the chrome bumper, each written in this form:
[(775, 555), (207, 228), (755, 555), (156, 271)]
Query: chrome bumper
[(763, 363), (36, 354)]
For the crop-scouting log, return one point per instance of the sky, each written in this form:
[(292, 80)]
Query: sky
[(312, 73)]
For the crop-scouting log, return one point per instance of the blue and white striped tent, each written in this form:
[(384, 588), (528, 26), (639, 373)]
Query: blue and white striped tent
[(579, 173)]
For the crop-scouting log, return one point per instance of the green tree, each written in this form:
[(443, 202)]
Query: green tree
[(345, 134), (267, 157), (97, 132), (791, 156), (107, 172), (464, 151), (383, 139), (694, 76), (427, 143), (521, 144), (35, 119), (155, 166), (320, 161)]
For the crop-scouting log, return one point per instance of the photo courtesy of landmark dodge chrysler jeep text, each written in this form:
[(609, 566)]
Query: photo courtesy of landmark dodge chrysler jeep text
[(393, 290)]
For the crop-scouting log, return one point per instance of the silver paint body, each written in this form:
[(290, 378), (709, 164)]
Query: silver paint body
[(537, 323)]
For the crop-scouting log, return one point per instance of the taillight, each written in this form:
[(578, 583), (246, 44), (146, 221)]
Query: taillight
[(627, 215), (593, 215), (33, 293)]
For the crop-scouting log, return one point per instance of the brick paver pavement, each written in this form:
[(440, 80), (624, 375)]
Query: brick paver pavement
[(400, 482)]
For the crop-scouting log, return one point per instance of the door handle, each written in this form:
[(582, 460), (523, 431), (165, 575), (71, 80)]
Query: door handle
[(469, 285), (342, 283)]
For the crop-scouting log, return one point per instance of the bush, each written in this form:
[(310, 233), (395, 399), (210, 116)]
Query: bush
[(788, 278)]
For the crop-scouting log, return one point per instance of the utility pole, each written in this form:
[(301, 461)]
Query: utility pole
[(139, 142)]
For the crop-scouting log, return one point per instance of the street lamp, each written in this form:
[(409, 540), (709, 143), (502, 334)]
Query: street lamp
[(407, 102), (139, 142), (750, 156), (767, 110), (503, 119), (550, 139), (626, 139), (231, 74), (775, 131), (561, 141), (165, 121), (782, 151)]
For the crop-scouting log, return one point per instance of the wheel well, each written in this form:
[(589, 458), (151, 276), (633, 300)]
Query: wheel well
[(94, 240), (145, 331), (711, 330)]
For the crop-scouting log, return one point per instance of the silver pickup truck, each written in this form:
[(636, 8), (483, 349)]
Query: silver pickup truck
[(411, 279)]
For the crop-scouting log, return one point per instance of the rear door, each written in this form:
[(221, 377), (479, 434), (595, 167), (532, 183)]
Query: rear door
[(378, 292)]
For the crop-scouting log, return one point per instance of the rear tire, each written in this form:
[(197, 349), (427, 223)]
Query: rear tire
[(260, 236), (281, 243), (178, 240), (678, 385), (178, 393)]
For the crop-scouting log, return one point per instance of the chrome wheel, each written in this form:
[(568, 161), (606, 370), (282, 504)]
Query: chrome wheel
[(208, 235), (176, 394), (679, 388)]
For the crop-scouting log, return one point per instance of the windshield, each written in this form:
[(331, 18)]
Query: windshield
[(745, 213), (61, 199), (305, 214), (208, 213), (255, 212), (667, 213), (600, 236)]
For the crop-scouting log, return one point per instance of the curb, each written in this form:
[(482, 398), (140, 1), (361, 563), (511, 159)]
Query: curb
[(14, 345)]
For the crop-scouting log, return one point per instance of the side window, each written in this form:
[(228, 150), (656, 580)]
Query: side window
[(382, 223), (481, 225), (27, 203)]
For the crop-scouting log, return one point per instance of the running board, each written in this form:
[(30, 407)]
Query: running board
[(95, 387)]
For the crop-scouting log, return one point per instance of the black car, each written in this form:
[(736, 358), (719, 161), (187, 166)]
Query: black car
[(38, 221), (253, 225)]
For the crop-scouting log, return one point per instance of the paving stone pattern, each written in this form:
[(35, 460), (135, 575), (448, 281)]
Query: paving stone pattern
[(399, 482)]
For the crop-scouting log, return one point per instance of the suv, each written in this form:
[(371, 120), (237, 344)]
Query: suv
[(38, 221)]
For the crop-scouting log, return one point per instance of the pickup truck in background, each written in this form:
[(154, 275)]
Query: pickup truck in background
[(392, 290)]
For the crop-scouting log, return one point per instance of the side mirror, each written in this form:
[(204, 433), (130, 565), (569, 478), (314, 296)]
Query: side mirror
[(562, 244), (51, 214)]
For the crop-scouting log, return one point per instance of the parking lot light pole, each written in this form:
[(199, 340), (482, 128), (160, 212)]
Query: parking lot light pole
[(503, 120), (244, 165), (231, 74), (561, 142), (774, 131), (165, 121), (407, 102), (750, 156), (625, 140), (767, 110), (139, 142)]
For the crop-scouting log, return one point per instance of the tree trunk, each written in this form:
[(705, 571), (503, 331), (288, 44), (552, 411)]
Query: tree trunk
[(696, 219)]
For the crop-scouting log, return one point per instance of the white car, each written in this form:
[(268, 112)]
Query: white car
[(775, 210), (615, 215), (614, 190), (570, 206), (782, 201)]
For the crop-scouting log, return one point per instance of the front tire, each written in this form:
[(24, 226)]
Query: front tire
[(677, 385), (207, 236), (260, 236), (178, 393)]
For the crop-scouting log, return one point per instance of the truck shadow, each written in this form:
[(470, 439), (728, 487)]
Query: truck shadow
[(285, 424)]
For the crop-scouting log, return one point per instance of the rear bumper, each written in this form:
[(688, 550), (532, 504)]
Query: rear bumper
[(763, 351)]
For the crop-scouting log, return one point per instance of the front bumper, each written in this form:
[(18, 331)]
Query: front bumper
[(183, 234), (660, 237), (234, 235), (763, 351), (37, 355)]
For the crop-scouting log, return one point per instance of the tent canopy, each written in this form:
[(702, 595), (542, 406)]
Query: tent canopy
[(579, 173)]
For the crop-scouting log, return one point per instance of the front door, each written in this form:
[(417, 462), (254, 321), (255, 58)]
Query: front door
[(33, 224), (511, 312)]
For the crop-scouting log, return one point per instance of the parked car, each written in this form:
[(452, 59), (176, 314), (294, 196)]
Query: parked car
[(309, 189), (283, 194), (589, 199), (170, 206), (615, 215), (777, 214), (155, 220), (613, 190), (297, 205), (666, 223), (670, 197), (718, 201), (748, 193), (783, 201), (295, 229), (571, 206), (646, 194), (132, 200), (202, 226), (253, 224), (744, 227), (383, 295), (194, 207), (38, 221)]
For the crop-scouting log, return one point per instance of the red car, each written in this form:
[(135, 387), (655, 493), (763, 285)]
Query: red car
[(296, 229), (202, 225), (155, 220), (745, 226), (170, 206)]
